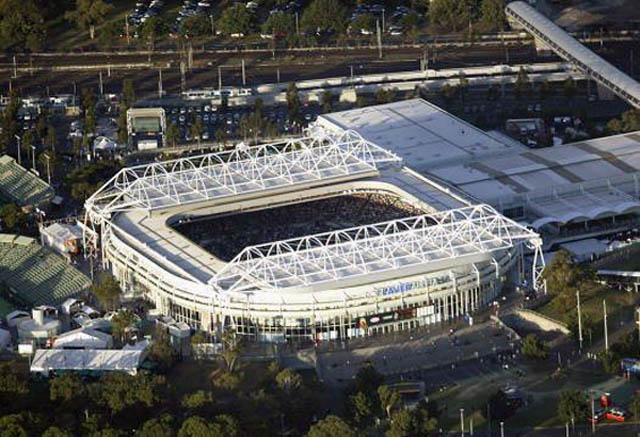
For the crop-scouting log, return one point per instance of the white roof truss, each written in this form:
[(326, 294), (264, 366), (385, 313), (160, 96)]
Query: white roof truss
[(377, 248), (240, 171)]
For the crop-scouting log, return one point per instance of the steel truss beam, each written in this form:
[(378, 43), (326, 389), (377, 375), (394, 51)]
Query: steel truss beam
[(242, 170), (377, 248)]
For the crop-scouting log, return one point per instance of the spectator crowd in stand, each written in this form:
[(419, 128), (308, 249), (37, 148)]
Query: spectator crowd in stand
[(226, 235)]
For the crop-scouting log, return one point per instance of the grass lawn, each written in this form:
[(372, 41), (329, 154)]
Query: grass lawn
[(620, 309)]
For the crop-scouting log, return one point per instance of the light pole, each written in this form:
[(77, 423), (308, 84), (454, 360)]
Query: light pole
[(33, 157), (19, 154), (638, 322), (501, 429), (579, 320), (606, 334), (48, 167), (593, 416), (462, 421)]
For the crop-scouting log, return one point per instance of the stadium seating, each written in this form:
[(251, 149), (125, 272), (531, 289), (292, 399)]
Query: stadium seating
[(226, 236), (36, 275), (21, 186)]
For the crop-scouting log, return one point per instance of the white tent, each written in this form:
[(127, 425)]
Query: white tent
[(15, 316), (5, 339), (104, 143), (94, 360), (83, 338)]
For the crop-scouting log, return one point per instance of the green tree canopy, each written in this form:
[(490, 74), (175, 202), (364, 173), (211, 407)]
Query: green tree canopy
[(107, 291), (12, 216), (235, 20), (493, 13), (157, 427), (322, 15), (279, 24), (119, 390), (573, 404), (88, 14), (451, 14), (21, 26), (532, 347), (54, 431), (331, 426), (198, 25)]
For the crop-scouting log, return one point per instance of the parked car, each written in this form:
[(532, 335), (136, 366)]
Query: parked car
[(616, 413)]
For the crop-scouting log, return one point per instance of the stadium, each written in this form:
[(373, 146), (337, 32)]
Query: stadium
[(317, 238)]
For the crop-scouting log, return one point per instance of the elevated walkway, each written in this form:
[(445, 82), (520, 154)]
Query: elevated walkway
[(573, 51)]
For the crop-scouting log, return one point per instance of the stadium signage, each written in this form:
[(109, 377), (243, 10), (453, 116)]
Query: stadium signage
[(401, 287)]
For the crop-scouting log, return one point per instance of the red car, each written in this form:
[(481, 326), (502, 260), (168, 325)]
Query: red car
[(616, 413)]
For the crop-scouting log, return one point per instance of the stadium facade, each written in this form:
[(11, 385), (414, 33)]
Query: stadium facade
[(424, 254)]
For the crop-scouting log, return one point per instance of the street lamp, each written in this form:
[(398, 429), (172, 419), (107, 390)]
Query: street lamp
[(462, 421), (19, 154), (501, 429), (33, 157)]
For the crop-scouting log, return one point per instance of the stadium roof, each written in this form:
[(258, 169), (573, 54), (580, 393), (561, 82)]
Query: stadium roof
[(407, 246), (422, 134), (19, 185), (572, 50), (241, 171), (562, 183)]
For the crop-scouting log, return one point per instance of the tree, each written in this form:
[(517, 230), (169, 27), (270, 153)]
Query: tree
[(326, 99), (81, 190), (389, 398), (21, 26), (27, 142), (120, 390), (161, 350), (363, 408), (280, 25), (523, 84), (66, 387), (221, 136), (107, 291), (366, 22), (89, 14), (231, 350), (325, 15), (173, 134), (532, 347), (12, 216), (52, 137), (128, 93), (573, 404), (196, 129), (383, 95), (152, 29), (293, 104), (157, 427), (331, 426), (121, 322), (54, 431), (288, 380), (235, 20), (110, 34), (11, 426), (222, 426), (198, 25), (10, 122), (564, 278), (493, 13), (13, 384), (451, 14), (544, 89)]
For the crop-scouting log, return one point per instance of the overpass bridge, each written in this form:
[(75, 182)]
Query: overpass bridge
[(568, 48)]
